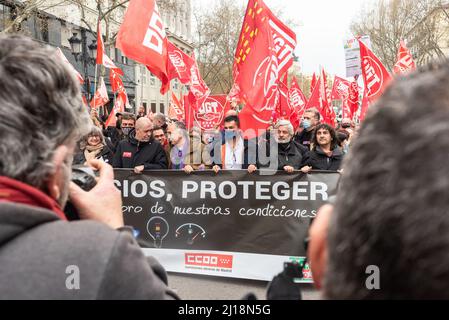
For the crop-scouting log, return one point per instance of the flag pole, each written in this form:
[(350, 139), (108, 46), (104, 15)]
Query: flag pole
[(95, 82)]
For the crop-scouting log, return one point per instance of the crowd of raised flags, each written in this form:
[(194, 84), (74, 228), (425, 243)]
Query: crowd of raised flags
[(262, 59)]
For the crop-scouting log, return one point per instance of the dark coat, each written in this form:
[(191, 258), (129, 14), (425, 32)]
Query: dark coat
[(304, 138), (105, 154), (131, 153), (290, 154), (249, 155), (39, 253), (318, 160), (114, 135)]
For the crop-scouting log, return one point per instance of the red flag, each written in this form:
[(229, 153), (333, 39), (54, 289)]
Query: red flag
[(313, 83), (283, 109), (190, 105), (405, 61), (100, 45), (211, 112), (340, 89), (101, 96), (198, 87), (284, 43), (375, 75), (116, 81), (179, 64), (176, 110), (319, 100), (256, 63), (353, 100), (297, 99), (64, 59), (142, 38), (102, 58), (253, 123)]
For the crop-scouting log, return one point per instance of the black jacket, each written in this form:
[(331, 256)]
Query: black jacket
[(131, 153), (318, 160), (304, 138), (249, 155), (105, 154), (114, 135), (289, 154)]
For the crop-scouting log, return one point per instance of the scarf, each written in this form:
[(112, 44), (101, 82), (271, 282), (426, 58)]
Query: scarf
[(91, 152), (18, 192)]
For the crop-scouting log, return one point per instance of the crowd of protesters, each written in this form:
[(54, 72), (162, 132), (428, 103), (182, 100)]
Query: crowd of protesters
[(148, 141), (389, 213)]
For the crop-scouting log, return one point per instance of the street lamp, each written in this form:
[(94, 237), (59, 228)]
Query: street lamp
[(80, 51)]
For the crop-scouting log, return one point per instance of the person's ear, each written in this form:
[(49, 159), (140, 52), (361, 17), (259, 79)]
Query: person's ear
[(317, 251), (54, 181)]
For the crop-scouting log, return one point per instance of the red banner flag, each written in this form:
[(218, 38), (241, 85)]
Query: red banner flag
[(353, 100), (319, 100), (142, 38), (198, 87), (115, 80), (210, 114), (101, 96), (340, 89), (313, 83), (179, 64), (284, 40), (256, 64), (375, 75), (176, 110), (283, 109), (297, 99), (254, 123), (405, 61)]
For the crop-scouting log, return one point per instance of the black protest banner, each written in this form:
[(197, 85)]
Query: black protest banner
[(233, 211)]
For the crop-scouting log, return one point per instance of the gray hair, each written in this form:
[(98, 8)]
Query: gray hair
[(392, 209), (160, 117), (285, 123), (95, 131), (41, 109)]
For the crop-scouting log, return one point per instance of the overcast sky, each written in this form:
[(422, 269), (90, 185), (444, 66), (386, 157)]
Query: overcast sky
[(322, 27)]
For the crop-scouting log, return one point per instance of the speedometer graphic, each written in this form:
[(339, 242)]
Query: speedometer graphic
[(190, 233)]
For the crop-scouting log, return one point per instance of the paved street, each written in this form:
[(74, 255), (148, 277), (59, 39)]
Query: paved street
[(194, 287)]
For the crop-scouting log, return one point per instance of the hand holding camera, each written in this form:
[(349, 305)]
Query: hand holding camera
[(103, 203)]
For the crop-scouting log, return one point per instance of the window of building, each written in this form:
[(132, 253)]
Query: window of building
[(152, 80), (162, 108), (124, 60), (5, 13), (153, 107), (41, 27)]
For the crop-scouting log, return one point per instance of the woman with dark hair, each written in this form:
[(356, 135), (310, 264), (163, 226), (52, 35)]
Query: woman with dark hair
[(93, 146), (325, 154)]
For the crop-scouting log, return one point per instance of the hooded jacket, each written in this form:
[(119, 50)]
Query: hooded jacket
[(131, 153)]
